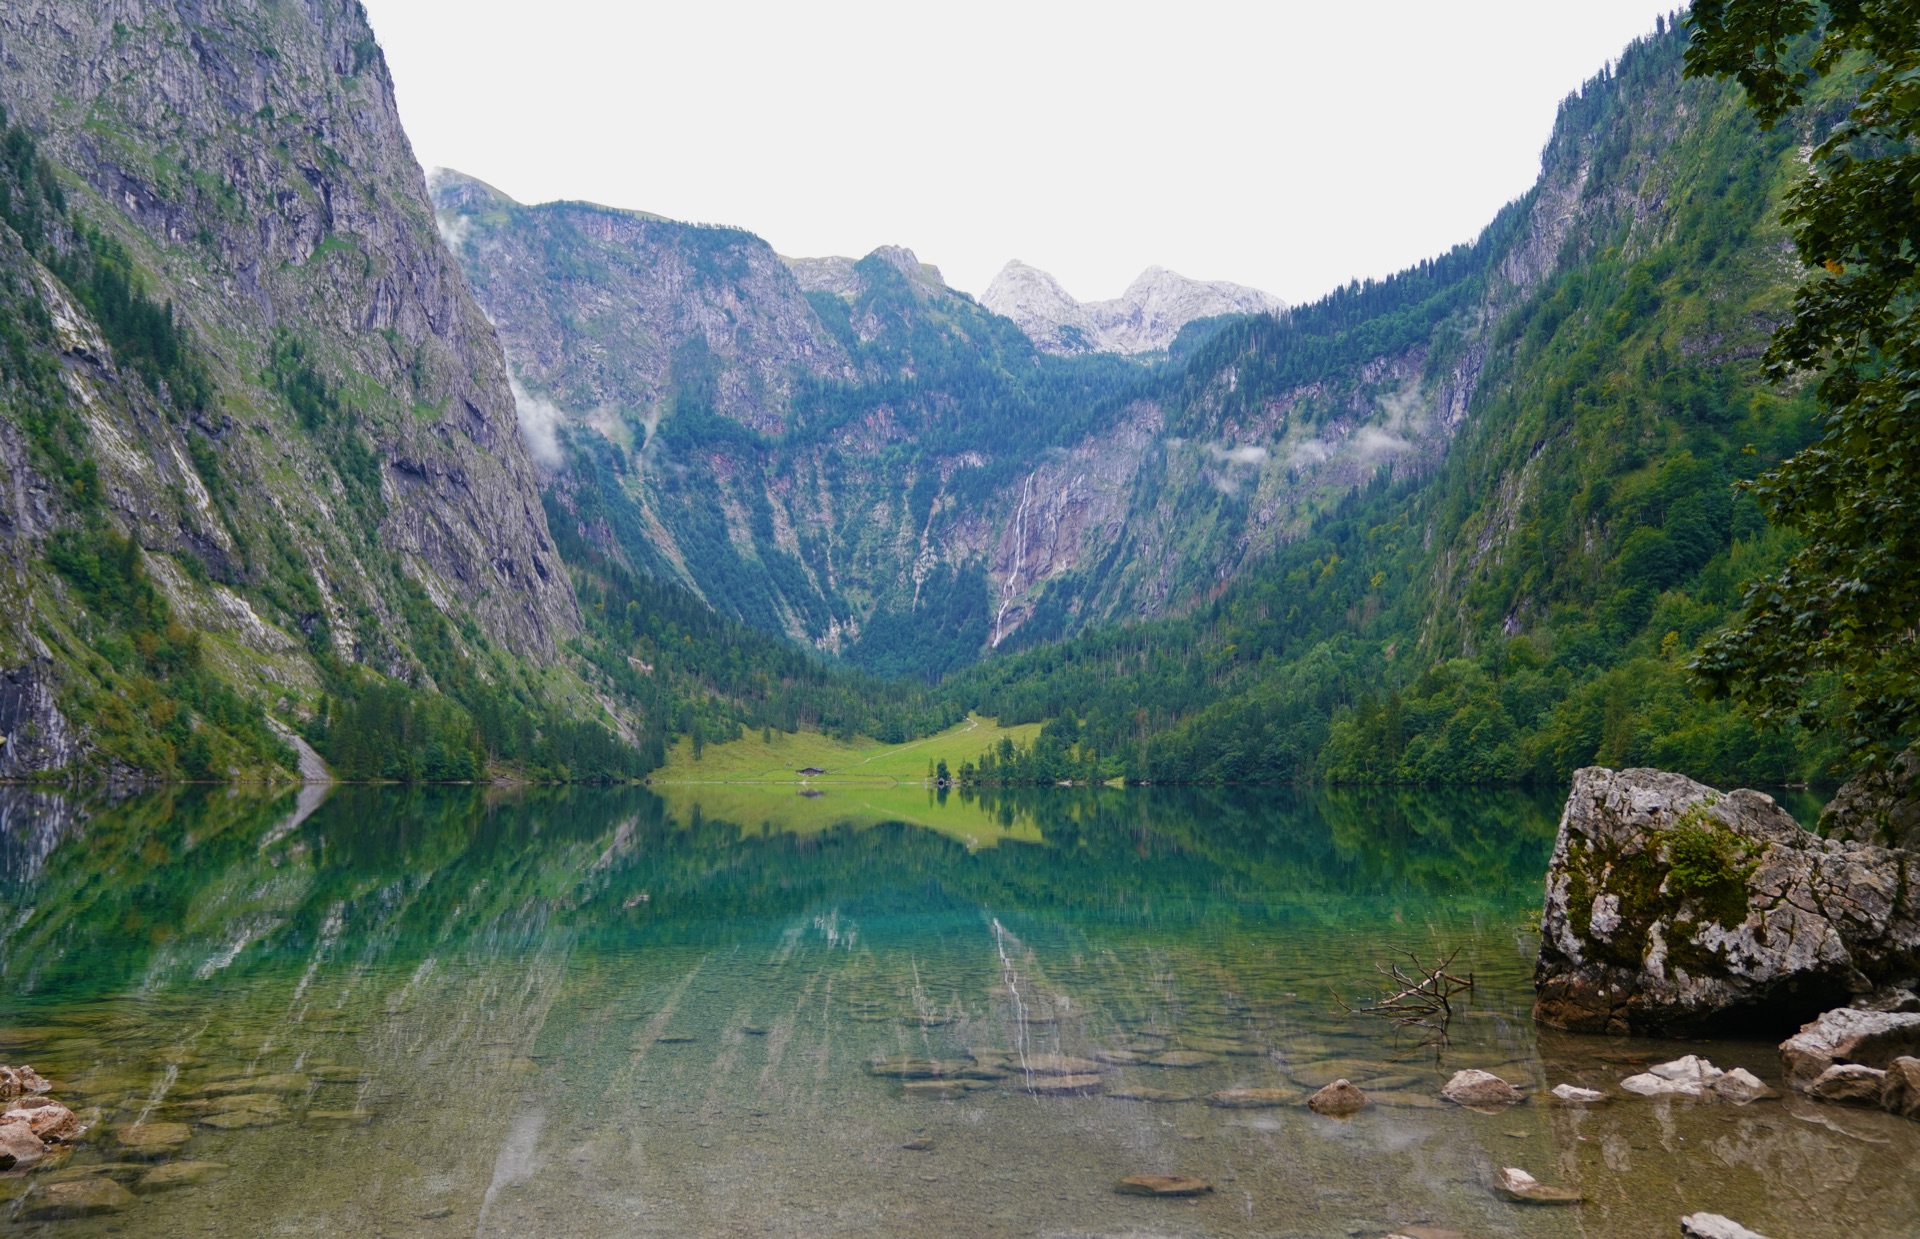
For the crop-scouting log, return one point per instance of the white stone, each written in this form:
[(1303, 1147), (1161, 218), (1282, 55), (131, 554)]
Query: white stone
[(1692, 1067), (1741, 1086), (1646, 1084), (1714, 1226), (1569, 1092)]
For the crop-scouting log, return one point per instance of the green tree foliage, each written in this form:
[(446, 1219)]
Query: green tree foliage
[(1829, 636), (158, 709)]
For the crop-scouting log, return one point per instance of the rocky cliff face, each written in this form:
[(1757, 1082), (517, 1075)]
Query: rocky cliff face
[(1144, 319), (350, 444)]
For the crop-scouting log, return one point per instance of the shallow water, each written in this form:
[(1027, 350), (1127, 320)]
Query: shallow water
[(588, 1013)]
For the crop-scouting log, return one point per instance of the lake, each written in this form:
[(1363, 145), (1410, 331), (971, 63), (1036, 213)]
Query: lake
[(576, 1012)]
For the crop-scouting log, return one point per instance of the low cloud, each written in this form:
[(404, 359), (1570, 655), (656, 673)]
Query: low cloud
[(1372, 443), (453, 230), (1250, 454), (539, 426)]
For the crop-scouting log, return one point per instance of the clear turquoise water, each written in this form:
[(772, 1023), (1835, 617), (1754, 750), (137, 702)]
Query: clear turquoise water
[(584, 1013)]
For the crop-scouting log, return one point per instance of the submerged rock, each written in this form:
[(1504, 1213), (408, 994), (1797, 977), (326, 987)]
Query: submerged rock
[(1253, 1098), (1672, 906), (1517, 1185), (1480, 1089), (1338, 1100), (1051, 1086), (1163, 1185), (1425, 1232), (21, 1081), (286, 1082), (19, 1147), (1577, 1096), (151, 1139), (77, 1198), (1871, 1038), (1183, 1058), (1741, 1086), (1714, 1226), (1148, 1094), (1055, 1065), (918, 1068)]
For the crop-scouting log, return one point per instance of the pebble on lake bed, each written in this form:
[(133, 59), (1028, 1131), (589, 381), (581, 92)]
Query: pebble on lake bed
[(1183, 1058), (1163, 1185), (1425, 1232), (1048, 1086)]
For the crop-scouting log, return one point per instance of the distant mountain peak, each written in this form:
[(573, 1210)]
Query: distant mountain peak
[(836, 275), (1144, 319)]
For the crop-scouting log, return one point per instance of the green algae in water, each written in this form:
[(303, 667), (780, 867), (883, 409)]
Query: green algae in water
[(411, 1012)]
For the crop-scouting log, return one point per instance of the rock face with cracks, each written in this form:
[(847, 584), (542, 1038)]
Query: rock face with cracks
[(1674, 907)]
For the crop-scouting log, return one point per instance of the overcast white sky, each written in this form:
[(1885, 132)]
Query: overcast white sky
[(1287, 145)]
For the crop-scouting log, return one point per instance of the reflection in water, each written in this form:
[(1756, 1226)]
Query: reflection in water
[(590, 1012)]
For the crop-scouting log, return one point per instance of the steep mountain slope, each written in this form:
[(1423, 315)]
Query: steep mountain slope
[(1147, 318), (260, 470), (1523, 604)]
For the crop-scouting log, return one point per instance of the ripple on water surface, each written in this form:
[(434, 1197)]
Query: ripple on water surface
[(591, 1014)]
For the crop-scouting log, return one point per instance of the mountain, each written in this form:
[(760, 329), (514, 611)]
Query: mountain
[(1520, 598), (855, 455), (1147, 318), (263, 485)]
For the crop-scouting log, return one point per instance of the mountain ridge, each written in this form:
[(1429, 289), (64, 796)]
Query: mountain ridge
[(1146, 318)]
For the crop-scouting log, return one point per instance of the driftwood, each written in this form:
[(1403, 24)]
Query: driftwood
[(1422, 995)]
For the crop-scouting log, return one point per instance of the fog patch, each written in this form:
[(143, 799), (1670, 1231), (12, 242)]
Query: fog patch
[(1248, 454), (453, 230), (1310, 452), (539, 425), (1372, 443)]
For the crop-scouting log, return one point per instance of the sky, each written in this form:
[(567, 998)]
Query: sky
[(1281, 144)]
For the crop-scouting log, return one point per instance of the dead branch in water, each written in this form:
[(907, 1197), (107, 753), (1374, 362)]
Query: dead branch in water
[(1422, 997)]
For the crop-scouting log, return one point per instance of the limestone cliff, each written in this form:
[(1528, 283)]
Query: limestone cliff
[(1146, 318), (342, 463)]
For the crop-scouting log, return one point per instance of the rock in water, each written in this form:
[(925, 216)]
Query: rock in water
[(1516, 1184), (19, 1147), (1252, 1098), (1672, 906), (1163, 1185), (1691, 1076), (1741, 1086), (1183, 1058), (1480, 1088), (1148, 1094), (179, 1174), (1871, 1038), (151, 1139), (1574, 1095), (1053, 1086), (1055, 1065), (1338, 1100), (1849, 1084), (78, 1198), (1713, 1226), (1425, 1232), (1902, 1093), (50, 1120)]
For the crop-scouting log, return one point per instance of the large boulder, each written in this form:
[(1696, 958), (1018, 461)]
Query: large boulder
[(1880, 807), (1673, 907)]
